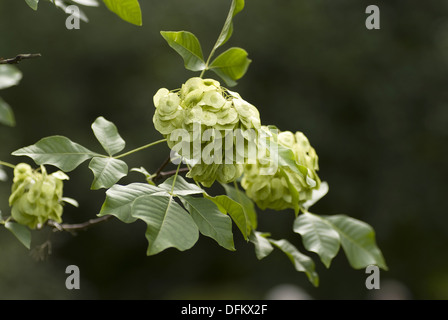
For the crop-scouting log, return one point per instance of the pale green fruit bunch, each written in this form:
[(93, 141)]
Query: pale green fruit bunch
[(200, 105), (287, 187), (36, 196)]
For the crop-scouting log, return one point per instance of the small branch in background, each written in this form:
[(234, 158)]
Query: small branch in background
[(78, 226), (19, 58), (164, 164), (166, 174)]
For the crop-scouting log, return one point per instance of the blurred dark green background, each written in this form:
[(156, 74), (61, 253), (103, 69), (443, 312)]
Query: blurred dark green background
[(374, 104)]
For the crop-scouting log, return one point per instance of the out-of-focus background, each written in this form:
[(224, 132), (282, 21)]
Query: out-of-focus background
[(374, 104)]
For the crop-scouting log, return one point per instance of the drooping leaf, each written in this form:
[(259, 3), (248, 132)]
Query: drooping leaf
[(169, 225), (119, 200), (181, 187), (358, 241), (316, 195), (128, 10), (88, 3), (246, 203), (9, 76), (32, 3), (58, 151), (318, 236), (6, 114), (231, 65), (71, 201), (188, 47), (227, 30), (144, 172), (210, 220), (3, 177), (75, 12), (107, 172), (301, 262), (21, 232), (107, 134), (226, 205), (262, 245)]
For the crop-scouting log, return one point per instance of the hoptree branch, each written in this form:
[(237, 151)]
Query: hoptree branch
[(19, 58), (77, 226), (163, 165), (166, 174)]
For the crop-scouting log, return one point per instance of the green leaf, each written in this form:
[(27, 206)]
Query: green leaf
[(210, 220), (71, 201), (32, 3), (107, 172), (144, 172), (316, 195), (358, 241), (88, 3), (79, 14), (181, 187), (235, 211), (318, 236), (262, 245), (231, 65), (119, 200), (6, 114), (107, 134), (187, 46), (128, 10), (236, 7), (9, 76), (3, 177), (20, 232), (246, 203), (58, 151), (169, 225), (301, 262)]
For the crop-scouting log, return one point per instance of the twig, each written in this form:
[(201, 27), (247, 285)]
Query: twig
[(159, 171), (172, 172), (19, 58), (78, 226)]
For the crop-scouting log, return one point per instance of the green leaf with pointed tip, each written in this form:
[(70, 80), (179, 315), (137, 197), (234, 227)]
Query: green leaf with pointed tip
[(181, 187), (316, 195), (32, 4), (6, 114), (301, 262), (210, 220), (107, 134), (76, 13), (88, 3), (58, 151), (20, 232), (236, 211), (107, 172), (227, 30), (187, 45), (169, 225), (119, 200), (3, 177), (262, 245), (246, 203), (358, 241), (144, 172), (9, 76), (231, 65), (318, 236), (128, 10)]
